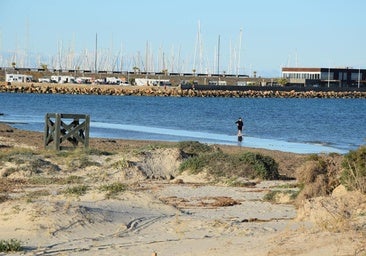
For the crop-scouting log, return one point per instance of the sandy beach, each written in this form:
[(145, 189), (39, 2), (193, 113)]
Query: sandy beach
[(128, 198)]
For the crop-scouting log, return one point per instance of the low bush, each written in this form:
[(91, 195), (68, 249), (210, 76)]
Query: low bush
[(274, 195), (265, 167), (194, 164), (77, 190), (322, 173), (194, 148), (11, 245), (311, 169), (218, 164), (97, 152), (113, 189), (318, 176), (353, 175)]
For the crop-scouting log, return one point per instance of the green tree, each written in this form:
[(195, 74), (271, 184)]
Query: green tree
[(136, 69), (282, 81), (44, 67)]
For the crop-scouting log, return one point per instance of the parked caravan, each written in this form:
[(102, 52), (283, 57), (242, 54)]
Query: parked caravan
[(217, 82), (113, 80), (18, 78), (152, 82), (109, 80), (62, 79), (84, 80), (44, 80)]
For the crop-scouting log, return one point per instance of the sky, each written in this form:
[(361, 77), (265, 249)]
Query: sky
[(216, 36)]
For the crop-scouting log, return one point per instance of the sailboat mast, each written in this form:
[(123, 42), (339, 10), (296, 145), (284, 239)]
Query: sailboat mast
[(147, 57), (218, 56), (238, 66), (96, 53), (197, 46)]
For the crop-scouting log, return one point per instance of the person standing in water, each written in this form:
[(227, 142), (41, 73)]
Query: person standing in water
[(240, 124)]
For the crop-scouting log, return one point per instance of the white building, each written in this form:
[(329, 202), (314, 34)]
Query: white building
[(325, 77)]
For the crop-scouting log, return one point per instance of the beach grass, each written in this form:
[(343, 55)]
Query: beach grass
[(11, 245)]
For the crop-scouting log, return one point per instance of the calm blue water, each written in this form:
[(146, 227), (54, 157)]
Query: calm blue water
[(294, 125)]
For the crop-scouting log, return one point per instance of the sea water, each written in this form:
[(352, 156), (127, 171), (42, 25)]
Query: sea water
[(293, 125)]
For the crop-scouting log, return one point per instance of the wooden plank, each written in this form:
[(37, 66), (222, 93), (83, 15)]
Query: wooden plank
[(57, 131), (86, 133), (72, 116), (74, 132), (46, 131)]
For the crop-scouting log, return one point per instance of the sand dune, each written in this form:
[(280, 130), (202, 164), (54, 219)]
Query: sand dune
[(160, 211)]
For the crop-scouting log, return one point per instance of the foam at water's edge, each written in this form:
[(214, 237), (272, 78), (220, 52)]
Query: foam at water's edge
[(213, 138)]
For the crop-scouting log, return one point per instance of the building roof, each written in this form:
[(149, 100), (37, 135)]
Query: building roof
[(301, 69), (319, 70)]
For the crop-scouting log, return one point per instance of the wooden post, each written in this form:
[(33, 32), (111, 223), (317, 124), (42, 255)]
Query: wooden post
[(46, 130), (87, 127), (57, 132), (66, 127)]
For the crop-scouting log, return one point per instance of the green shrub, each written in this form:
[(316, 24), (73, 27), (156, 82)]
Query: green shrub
[(11, 245), (149, 147), (77, 190), (194, 148), (353, 176), (121, 164), (113, 189), (97, 152), (219, 164), (273, 195), (265, 167), (194, 164)]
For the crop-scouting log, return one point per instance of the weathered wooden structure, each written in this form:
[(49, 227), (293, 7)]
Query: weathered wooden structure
[(66, 127)]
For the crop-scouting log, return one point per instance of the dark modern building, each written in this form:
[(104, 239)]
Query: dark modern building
[(325, 77)]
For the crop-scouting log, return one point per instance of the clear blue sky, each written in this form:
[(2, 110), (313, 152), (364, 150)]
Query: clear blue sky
[(304, 33)]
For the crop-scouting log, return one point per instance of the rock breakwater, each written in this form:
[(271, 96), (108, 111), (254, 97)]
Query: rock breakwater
[(170, 91)]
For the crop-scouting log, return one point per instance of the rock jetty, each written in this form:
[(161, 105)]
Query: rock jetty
[(170, 91)]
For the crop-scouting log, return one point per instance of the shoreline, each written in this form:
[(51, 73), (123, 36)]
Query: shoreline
[(248, 142), (288, 161)]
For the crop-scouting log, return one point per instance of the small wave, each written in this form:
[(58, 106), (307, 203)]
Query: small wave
[(214, 138), (322, 143)]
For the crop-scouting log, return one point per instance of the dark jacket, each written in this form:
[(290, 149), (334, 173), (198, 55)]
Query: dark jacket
[(240, 124)]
